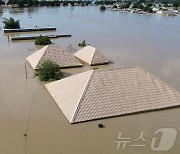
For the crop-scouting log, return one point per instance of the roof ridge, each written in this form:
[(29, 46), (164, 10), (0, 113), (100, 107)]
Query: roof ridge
[(85, 90), (42, 54), (93, 54), (118, 68)]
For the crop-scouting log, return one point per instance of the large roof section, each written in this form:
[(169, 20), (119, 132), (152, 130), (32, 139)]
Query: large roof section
[(91, 56), (107, 93), (53, 53)]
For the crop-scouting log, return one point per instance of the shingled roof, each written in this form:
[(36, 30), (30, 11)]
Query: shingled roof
[(91, 56), (104, 93), (53, 53)]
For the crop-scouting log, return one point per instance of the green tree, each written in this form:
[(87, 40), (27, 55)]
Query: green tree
[(102, 8), (29, 2), (48, 70), (142, 1), (148, 9), (176, 4), (42, 40), (1, 2), (138, 5), (21, 3), (114, 6), (125, 5), (11, 23)]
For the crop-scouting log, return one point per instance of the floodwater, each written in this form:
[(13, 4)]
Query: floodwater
[(153, 42)]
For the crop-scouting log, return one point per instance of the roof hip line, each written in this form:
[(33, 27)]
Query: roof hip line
[(47, 46), (93, 56), (80, 102)]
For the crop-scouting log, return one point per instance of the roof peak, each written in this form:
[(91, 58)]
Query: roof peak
[(91, 56)]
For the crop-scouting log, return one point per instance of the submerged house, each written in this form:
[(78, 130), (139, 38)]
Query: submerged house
[(91, 56), (53, 53), (105, 93)]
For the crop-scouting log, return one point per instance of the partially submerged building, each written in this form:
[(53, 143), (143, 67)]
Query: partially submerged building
[(53, 53), (91, 56), (105, 93)]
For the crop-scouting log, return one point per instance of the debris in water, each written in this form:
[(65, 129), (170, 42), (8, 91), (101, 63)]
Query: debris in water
[(101, 126)]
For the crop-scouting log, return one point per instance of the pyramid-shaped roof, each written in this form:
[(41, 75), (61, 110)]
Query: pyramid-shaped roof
[(91, 56), (107, 93), (53, 53)]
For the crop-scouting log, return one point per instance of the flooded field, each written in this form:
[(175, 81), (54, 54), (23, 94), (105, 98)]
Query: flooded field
[(32, 123)]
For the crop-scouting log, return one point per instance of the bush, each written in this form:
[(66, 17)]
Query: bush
[(95, 68), (83, 44), (42, 40), (11, 23), (48, 70), (102, 8)]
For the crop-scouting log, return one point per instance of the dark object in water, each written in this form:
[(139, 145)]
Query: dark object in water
[(29, 29), (16, 38), (101, 126), (25, 135)]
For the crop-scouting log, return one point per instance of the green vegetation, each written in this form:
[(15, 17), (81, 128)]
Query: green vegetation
[(148, 9), (95, 68), (125, 5), (144, 5), (42, 40), (1, 2), (11, 23), (106, 2), (72, 3), (102, 8), (83, 44), (114, 6), (176, 4), (21, 3), (138, 5), (30, 3), (48, 71)]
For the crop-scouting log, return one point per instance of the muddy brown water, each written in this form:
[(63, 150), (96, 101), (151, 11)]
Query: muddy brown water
[(126, 39)]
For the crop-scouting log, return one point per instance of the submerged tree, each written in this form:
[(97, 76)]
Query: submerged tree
[(48, 70), (42, 40), (11, 23), (83, 44), (102, 8)]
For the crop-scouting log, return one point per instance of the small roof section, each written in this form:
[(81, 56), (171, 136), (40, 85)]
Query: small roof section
[(91, 56), (53, 53), (107, 93)]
